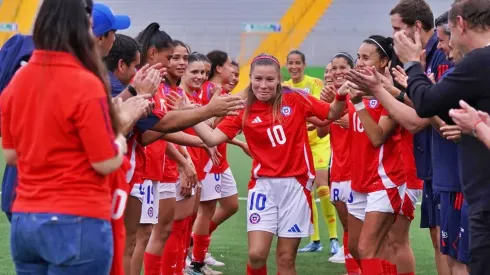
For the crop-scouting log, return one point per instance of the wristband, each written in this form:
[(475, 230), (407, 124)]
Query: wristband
[(359, 106), (132, 90), (474, 128), (340, 97)]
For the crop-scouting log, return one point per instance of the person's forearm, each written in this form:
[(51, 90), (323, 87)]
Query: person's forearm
[(401, 113), (336, 110), (207, 134), (322, 131), (179, 120), (125, 94), (175, 155), (181, 138), (236, 142), (184, 152), (395, 92), (437, 123)]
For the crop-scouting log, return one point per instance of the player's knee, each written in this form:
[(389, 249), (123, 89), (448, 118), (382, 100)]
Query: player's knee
[(366, 251), (285, 259), (353, 250), (130, 245), (257, 257)]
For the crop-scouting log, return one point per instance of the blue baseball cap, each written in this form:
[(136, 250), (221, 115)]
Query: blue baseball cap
[(105, 20)]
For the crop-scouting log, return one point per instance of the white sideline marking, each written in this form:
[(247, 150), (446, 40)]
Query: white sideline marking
[(317, 200)]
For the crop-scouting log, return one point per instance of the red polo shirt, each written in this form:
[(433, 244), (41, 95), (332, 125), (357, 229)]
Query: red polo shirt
[(54, 113)]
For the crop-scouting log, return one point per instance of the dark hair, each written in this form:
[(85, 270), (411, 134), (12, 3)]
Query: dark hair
[(64, 26), (347, 57), (442, 21), (235, 63), (216, 58), (125, 48), (182, 44), (194, 57), (384, 45), (152, 36), (475, 12), (202, 56), (301, 55), (415, 10)]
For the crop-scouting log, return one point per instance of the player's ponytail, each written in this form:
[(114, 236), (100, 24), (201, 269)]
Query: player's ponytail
[(153, 37)]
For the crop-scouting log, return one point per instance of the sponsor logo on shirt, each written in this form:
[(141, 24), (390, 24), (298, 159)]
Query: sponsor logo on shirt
[(256, 120), (254, 218), (286, 110), (373, 103)]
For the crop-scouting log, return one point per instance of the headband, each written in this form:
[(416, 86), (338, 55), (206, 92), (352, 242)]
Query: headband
[(266, 57), (345, 55), (370, 39)]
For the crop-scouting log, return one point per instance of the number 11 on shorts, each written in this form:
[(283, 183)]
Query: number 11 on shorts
[(257, 201)]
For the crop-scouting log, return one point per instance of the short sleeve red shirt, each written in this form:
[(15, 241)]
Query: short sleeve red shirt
[(406, 152), (70, 130), (340, 165), (279, 148), (373, 168)]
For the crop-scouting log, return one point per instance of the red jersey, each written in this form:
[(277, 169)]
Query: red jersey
[(279, 148), (209, 167), (340, 164), (155, 152), (120, 190), (57, 136), (373, 168), (406, 153), (171, 174), (136, 156), (197, 154)]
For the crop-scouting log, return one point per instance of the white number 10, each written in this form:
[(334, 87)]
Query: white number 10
[(276, 135)]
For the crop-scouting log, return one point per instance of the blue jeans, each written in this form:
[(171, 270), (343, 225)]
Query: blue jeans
[(43, 243)]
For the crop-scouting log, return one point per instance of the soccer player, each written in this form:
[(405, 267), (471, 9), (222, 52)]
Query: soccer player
[(279, 200), (104, 26), (218, 183), (340, 164), (320, 147), (62, 211)]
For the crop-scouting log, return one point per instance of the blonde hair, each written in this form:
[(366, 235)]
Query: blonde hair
[(265, 60)]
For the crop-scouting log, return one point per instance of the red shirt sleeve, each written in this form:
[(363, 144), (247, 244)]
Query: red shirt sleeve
[(7, 139), (317, 108), (231, 125), (95, 129)]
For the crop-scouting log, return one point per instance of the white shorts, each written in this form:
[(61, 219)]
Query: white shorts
[(167, 190), (410, 203), (149, 200), (280, 206), (384, 201), (178, 196), (341, 191), (217, 186)]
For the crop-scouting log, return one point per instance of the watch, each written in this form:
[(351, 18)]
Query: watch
[(409, 65), (132, 90), (401, 97)]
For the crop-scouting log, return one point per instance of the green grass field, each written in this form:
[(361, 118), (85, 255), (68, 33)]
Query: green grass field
[(229, 243)]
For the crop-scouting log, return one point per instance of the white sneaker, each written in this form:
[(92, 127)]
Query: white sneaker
[(188, 261), (338, 258), (210, 260), (206, 270)]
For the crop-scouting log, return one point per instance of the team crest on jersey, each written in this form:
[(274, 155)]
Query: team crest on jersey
[(150, 212), (254, 218), (217, 188), (286, 110), (373, 103)]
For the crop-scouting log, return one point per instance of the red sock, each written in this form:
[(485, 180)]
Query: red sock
[(152, 264), (201, 245), (372, 267), (350, 263), (260, 271), (212, 227), (174, 249), (186, 240)]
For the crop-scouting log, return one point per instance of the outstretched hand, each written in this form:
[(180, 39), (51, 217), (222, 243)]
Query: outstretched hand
[(367, 80), (225, 105)]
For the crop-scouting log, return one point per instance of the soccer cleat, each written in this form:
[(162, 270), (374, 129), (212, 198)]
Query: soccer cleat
[(338, 258), (188, 261), (206, 270), (334, 246), (312, 247), (210, 260)]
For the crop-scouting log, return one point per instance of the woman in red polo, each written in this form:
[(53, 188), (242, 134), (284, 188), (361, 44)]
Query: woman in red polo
[(58, 128)]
